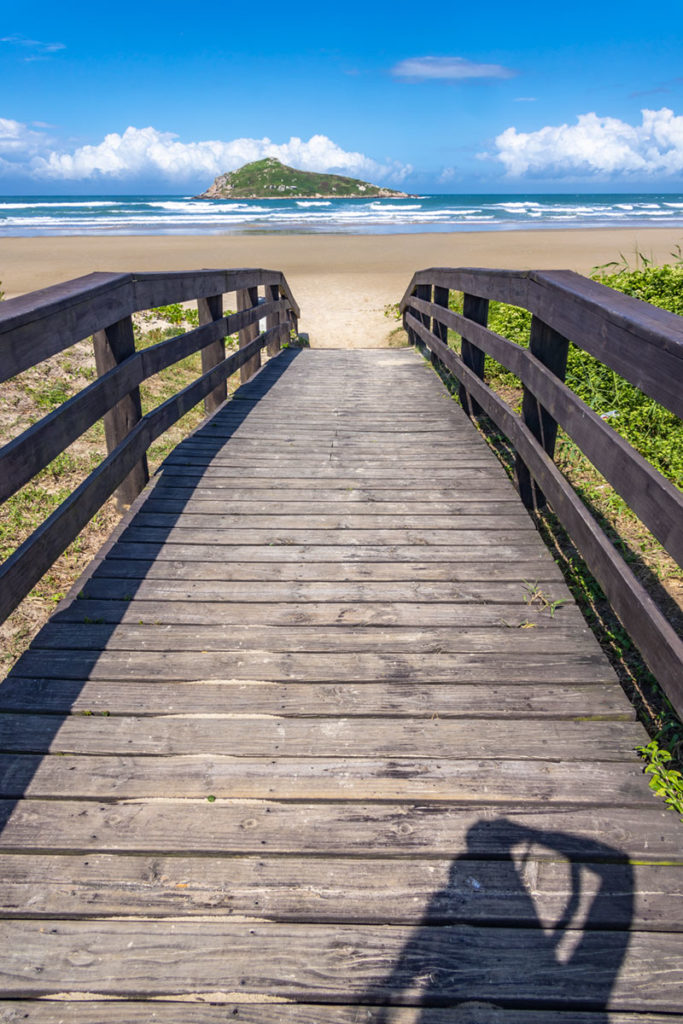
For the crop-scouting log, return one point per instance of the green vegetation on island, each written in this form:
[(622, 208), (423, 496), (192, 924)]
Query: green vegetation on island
[(271, 179)]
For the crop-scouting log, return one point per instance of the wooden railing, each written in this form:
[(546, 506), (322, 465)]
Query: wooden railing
[(641, 343), (44, 323)]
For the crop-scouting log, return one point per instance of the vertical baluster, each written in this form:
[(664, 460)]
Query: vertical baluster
[(246, 298), (440, 299), (211, 308), (475, 309), (552, 349), (424, 292), (112, 346), (273, 319)]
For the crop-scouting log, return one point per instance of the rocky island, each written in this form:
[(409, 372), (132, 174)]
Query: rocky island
[(271, 179)]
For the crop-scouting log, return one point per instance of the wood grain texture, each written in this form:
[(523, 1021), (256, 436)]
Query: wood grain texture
[(421, 830), (439, 777), (302, 744), (328, 737), (424, 966), (482, 699), (197, 1010), (362, 890)]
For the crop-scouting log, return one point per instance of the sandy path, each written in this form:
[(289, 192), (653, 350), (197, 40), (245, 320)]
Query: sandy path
[(342, 282)]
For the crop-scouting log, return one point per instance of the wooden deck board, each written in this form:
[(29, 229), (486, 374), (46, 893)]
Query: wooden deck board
[(308, 736)]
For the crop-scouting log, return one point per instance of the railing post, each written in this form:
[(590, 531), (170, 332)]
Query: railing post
[(273, 319), (246, 298), (441, 296), (211, 308), (476, 309), (294, 321), (424, 292), (112, 346), (552, 350)]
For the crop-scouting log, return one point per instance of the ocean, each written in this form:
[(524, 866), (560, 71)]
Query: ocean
[(183, 215)]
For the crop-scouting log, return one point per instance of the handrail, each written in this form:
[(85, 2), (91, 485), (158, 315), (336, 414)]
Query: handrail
[(76, 309), (36, 326), (642, 343)]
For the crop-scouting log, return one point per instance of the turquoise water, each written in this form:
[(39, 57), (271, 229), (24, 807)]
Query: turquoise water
[(183, 215)]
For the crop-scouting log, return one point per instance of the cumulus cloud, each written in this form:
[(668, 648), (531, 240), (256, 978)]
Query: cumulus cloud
[(146, 151), (19, 144), (597, 146), (451, 68)]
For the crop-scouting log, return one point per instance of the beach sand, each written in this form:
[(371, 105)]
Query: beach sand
[(342, 282)]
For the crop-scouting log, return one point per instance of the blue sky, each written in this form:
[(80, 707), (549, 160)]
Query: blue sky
[(448, 98)]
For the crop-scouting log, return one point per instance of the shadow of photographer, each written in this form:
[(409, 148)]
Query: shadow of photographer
[(548, 917)]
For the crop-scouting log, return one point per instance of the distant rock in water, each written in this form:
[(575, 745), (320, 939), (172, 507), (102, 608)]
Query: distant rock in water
[(270, 179)]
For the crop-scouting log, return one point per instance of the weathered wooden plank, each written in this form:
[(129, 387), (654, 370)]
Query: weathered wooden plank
[(462, 781), (246, 736), (173, 603), (211, 536), (344, 829), (467, 551), (349, 667), (350, 963), (218, 520), (253, 1011), (175, 485), (540, 570), (480, 700), (207, 503), (138, 627), (432, 593), (519, 891), (324, 468)]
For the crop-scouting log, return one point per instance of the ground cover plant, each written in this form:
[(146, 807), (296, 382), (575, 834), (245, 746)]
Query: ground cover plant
[(36, 392)]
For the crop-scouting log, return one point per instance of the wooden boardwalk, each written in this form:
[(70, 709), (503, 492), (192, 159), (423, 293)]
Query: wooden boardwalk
[(311, 741)]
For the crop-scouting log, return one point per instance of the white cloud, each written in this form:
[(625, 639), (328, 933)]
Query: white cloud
[(597, 145), (39, 48), (148, 152), (18, 143), (451, 68)]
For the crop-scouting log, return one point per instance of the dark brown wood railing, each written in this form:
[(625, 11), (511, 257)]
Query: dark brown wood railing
[(641, 343), (44, 323)]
